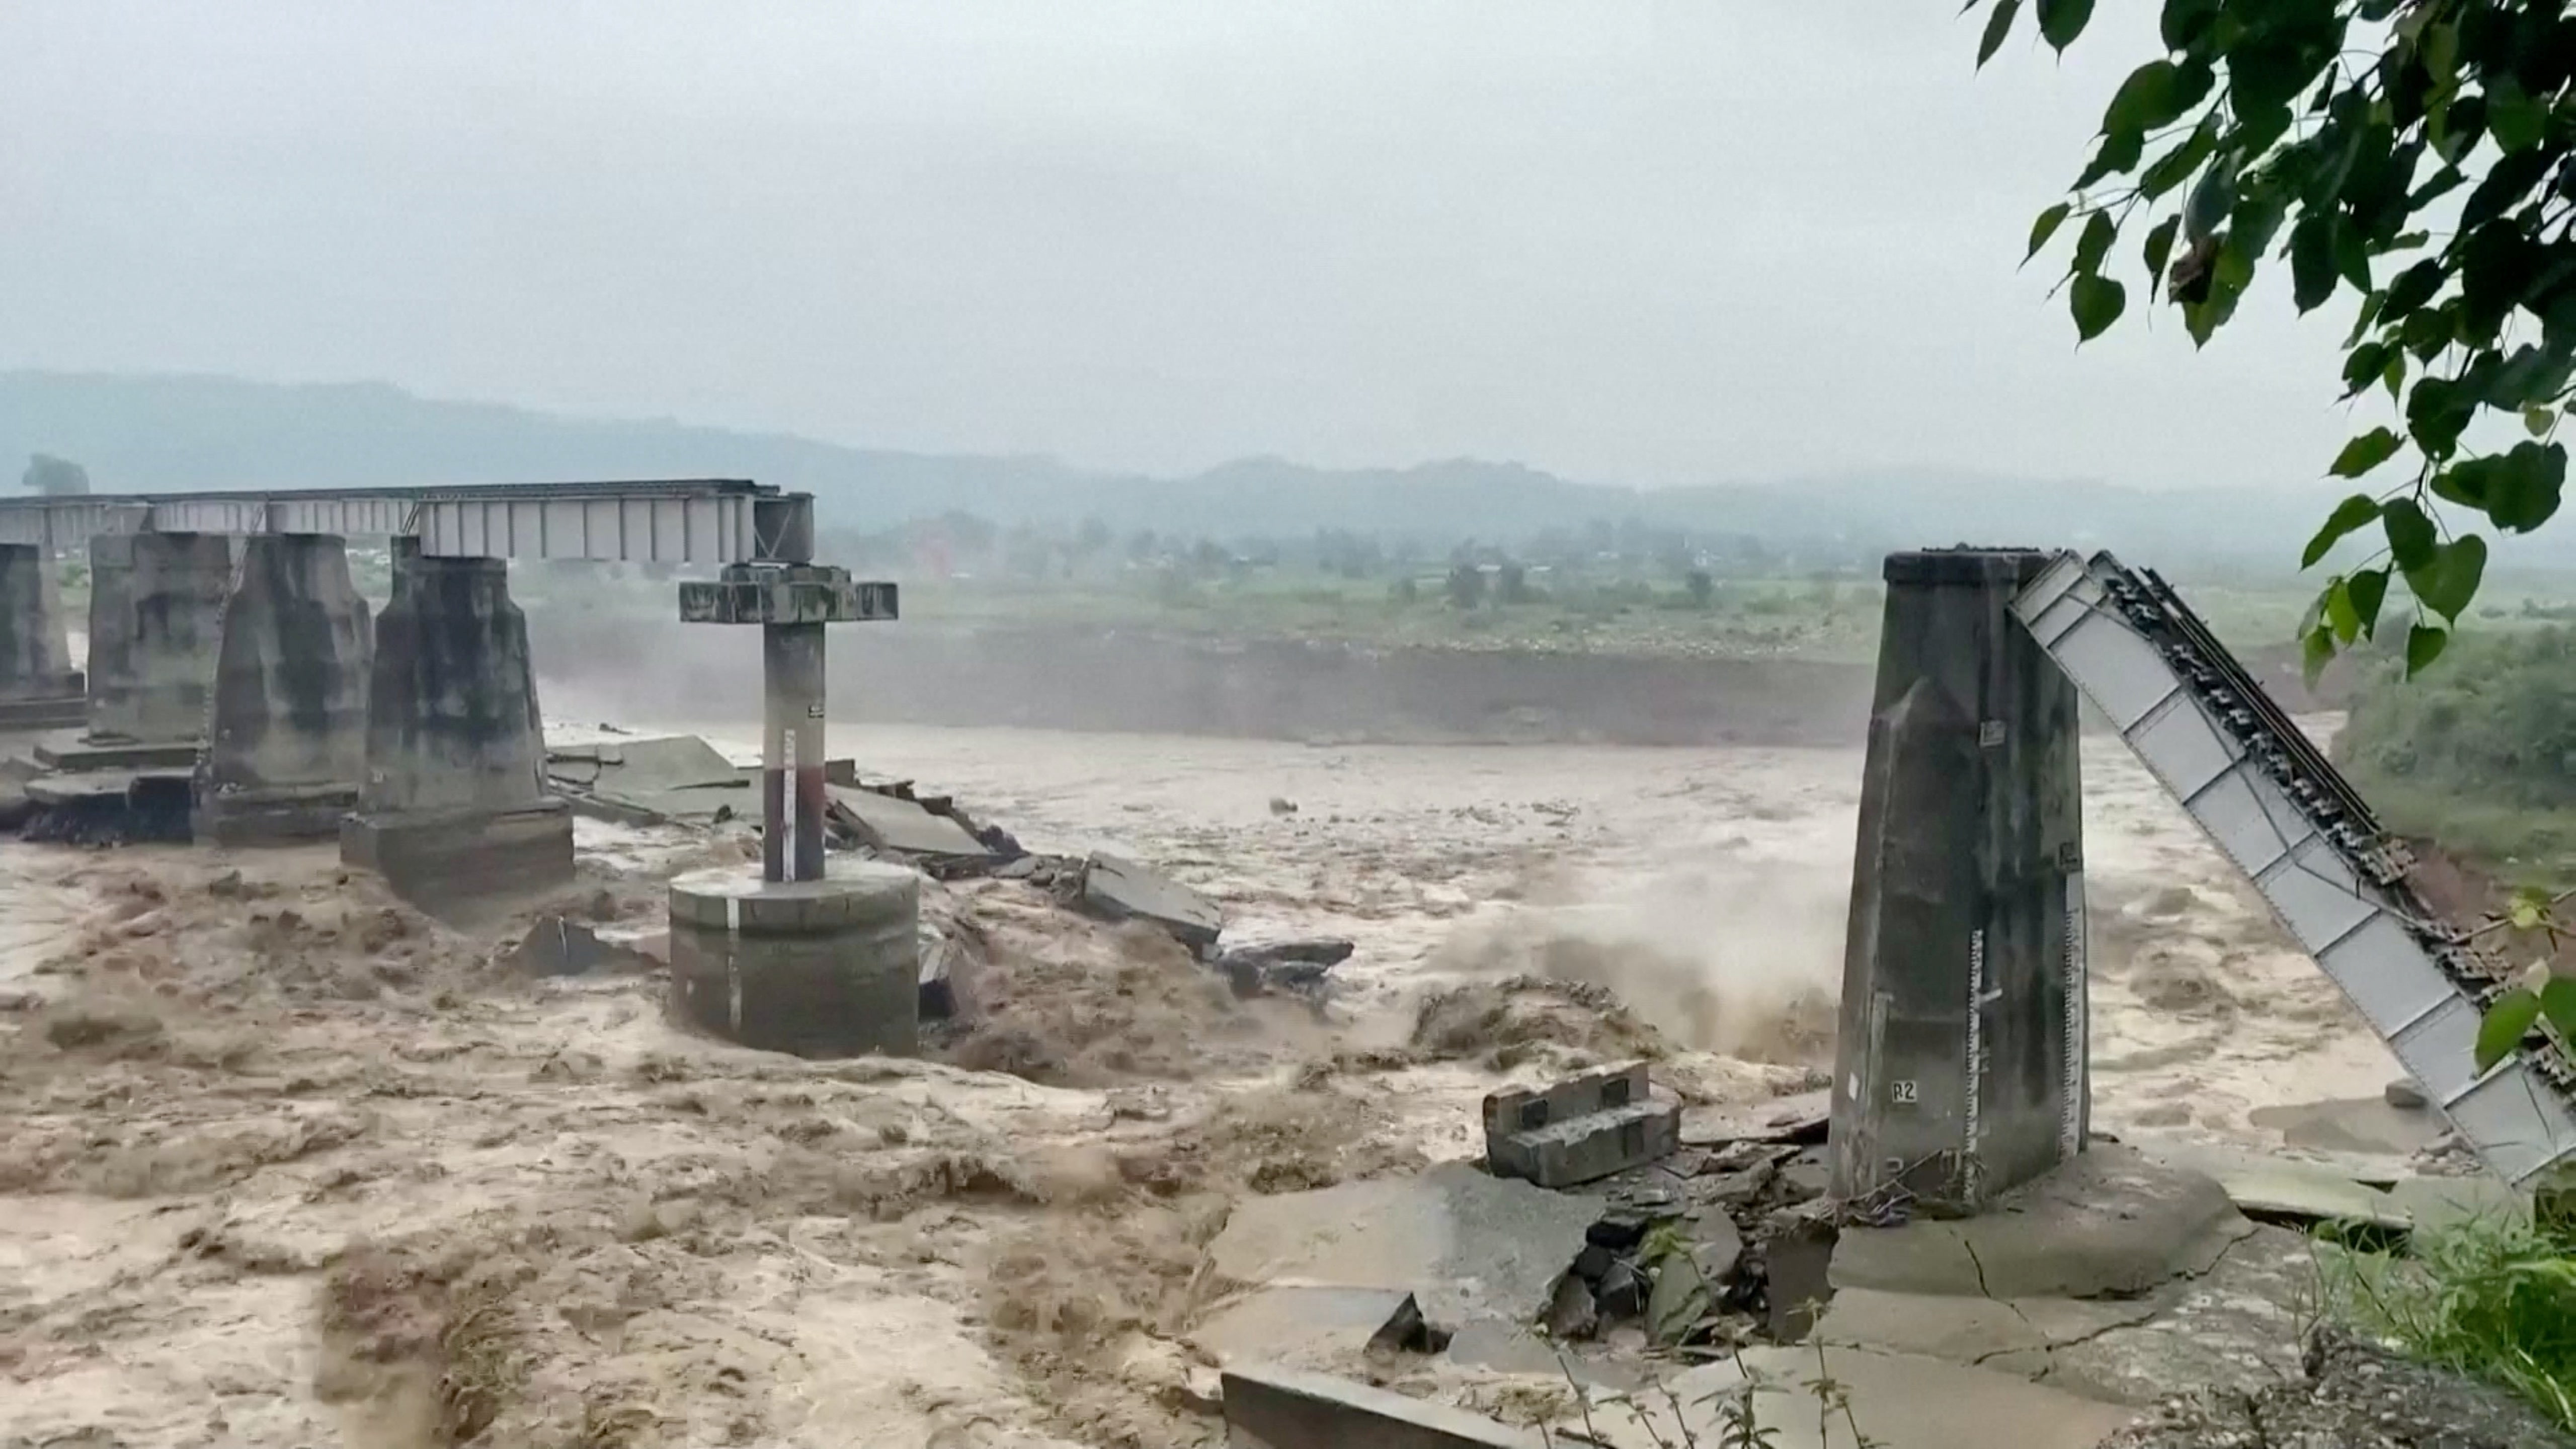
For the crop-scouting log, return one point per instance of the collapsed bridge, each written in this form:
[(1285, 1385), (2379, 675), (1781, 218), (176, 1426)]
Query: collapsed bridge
[(1961, 1066), (237, 681)]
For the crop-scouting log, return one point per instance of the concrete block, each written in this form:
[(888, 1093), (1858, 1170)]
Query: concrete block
[(1584, 1149), (452, 717), (1282, 1408), (822, 968), (886, 823), (156, 615), (1121, 890), (1960, 1066), (440, 860), (786, 594), (38, 686), (1580, 1129), (289, 722)]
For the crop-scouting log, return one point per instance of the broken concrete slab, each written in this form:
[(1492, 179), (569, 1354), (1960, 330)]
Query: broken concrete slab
[(555, 946), (2109, 1223), (1468, 1246), (1297, 966), (2437, 1204), (1901, 1401), (1284, 1408), (1123, 890), (2234, 1328), (662, 762), (1968, 1330), (1298, 1325), (2280, 1189), (2369, 1125), (885, 823)]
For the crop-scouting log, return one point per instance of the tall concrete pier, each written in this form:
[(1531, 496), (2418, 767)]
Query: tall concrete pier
[(39, 689), (1960, 1061), (156, 616), (454, 804), (288, 740), (806, 956)]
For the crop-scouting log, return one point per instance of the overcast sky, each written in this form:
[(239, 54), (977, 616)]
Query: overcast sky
[(1642, 240)]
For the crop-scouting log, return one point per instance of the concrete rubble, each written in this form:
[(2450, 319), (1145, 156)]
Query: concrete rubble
[(1465, 1247), (1122, 890), (1298, 967), (2351, 1395), (1278, 1408), (560, 946)]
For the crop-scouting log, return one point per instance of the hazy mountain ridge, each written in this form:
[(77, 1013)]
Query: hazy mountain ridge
[(161, 433)]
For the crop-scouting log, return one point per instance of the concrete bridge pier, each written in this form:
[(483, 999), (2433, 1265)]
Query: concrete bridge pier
[(287, 742), (156, 611), (809, 955), (1960, 1067), (454, 805), (39, 689)]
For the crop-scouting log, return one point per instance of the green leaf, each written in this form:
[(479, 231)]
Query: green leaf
[(2351, 254), (2363, 365), (2351, 514), (2558, 1003), (2367, 589), (2508, 183), (2096, 303), (2436, 412), (2185, 22), (2316, 651), (2155, 96), (2508, 1021), (2358, 457), (2045, 226), (2411, 288), (2158, 249), (2175, 166), (2312, 263), (2094, 244), (2450, 581), (2516, 118), (2340, 615), (2411, 537), (2530, 908), (2538, 421), (1998, 25), (2061, 21), (2212, 197), (2526, 487), (2424, 644)]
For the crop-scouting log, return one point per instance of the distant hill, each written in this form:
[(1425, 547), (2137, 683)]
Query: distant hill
[(159, 433)]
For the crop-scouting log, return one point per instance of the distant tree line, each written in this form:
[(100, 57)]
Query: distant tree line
[(1470, 571)]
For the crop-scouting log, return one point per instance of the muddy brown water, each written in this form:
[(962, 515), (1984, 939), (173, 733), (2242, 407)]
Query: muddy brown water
[(284, 1164)]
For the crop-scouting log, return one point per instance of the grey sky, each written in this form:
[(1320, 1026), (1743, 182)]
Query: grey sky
[(1657, 242)]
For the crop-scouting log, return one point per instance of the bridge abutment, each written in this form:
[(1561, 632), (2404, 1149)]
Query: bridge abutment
[(454, 804), (287, 743), (1961, 1053), (39, 689)]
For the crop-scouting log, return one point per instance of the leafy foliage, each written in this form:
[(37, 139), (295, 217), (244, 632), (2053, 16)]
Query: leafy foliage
[(2419, 155), (2491, 1297)]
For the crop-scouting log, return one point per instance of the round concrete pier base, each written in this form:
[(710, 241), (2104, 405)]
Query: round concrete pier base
[(823, 968)]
